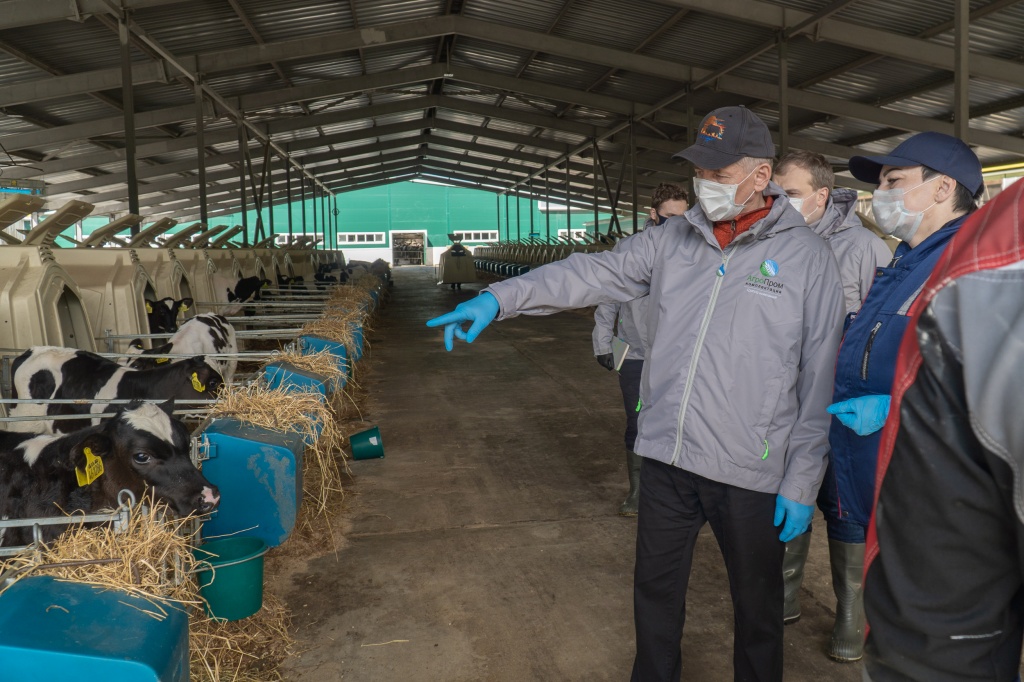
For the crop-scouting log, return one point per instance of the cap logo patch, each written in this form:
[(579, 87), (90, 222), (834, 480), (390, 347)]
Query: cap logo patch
[(713, 129)]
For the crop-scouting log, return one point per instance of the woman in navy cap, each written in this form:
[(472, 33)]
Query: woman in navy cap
[(926, 188)]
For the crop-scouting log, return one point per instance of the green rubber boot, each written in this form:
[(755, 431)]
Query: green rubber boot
[(629, 507), (847, 581), (793, 575)]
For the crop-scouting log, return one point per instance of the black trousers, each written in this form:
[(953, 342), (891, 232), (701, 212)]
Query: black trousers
[(674, 505), (629, 382)]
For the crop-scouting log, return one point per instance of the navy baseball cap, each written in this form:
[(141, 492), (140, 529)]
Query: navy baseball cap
[(942, 153), (727, 135)]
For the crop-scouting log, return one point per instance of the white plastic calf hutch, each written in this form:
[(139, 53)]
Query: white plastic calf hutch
[(13, 210), (168, 274), (114, 287), (147, 237), (199, 269), (108, 233), (40, 305)]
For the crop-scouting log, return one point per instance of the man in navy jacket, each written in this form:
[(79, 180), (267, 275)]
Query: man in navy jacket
[(927, 187)]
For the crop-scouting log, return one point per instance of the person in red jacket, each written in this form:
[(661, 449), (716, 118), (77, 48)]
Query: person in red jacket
[(944, 586)]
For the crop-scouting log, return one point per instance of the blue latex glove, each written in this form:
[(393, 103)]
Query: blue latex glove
[(797, 517), (481, 311), (864, 415)]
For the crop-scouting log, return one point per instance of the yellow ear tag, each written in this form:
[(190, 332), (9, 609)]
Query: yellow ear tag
[(266, 284), (182, 308), (196, 384), (149, 308), (161, 361), (93, 469)]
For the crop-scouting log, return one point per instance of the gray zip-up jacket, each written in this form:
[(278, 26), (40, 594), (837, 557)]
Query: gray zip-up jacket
[(630, 318), (743, 342), (858, 250)]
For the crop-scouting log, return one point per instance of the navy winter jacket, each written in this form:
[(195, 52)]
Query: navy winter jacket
[(867, 363)]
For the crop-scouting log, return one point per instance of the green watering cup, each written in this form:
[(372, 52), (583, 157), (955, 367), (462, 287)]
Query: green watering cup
[(367, 444)]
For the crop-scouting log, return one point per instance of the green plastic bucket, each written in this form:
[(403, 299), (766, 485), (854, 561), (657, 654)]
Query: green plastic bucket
[(230, 574), (367, 444)]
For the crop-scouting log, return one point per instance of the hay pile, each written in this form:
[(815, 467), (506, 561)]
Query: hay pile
[(249, 650), (151, 558), (338, 325)]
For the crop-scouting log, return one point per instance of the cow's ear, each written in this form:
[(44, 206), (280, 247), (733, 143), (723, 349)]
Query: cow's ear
[(206, 376), (168, 407), (93, 445), (184, 304), (231, 296), (135, 345), (161, 350)]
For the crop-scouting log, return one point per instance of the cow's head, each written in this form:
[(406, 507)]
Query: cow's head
[(202, 379), (148, 448), (162, 315)]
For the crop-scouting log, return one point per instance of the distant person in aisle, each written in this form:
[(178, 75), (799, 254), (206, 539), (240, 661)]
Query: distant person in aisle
[(744, 319), (628, 323), (928, 185), (809, 182)]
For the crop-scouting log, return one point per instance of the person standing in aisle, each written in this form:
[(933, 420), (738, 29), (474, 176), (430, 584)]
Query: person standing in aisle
[(628, 322), (928, 185), (744, 319), (810, 184)]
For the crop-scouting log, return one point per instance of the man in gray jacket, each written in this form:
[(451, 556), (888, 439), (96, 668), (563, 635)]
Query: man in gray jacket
[(628, 322), (744, 318), (809, 182)]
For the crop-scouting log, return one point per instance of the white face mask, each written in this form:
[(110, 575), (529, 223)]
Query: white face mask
[(798, 204), (719, 200), (891, 214)]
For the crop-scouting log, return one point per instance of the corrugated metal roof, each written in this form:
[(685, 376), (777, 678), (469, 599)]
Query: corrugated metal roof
[(703, 40)]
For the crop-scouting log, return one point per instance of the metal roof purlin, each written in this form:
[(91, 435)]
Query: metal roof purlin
[(140, 33)]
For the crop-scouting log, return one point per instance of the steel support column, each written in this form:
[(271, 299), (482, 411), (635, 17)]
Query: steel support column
[(547, 205), (568, 207), (243, 154), (270, 196), (519, 223), (632, 172), (288, 197), (784, 96), (961, 73), (597, 227), (508, 231), (532, 203), (302, 191), (497, 212), (128, 104), (201, 155)]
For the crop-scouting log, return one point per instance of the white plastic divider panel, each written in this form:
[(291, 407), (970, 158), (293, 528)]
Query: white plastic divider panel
[(64, 217), (40, 303), (14, 209)]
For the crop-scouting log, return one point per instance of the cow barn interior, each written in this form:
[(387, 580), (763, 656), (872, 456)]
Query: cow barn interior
[(319, 179)]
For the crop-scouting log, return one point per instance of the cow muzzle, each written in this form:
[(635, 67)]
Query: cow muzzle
[(208, 500)]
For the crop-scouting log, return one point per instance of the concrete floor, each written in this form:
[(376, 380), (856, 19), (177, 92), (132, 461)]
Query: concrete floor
[(486, 545)]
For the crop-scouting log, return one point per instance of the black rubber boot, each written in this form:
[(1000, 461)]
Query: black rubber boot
[(847, 581), (629, 507), (793, 575)]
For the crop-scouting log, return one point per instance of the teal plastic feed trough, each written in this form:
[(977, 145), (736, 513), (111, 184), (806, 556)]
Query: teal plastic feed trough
[(259, 474), (51, 630), (367, 444), (230, 574), (288, 377), (314, 344)]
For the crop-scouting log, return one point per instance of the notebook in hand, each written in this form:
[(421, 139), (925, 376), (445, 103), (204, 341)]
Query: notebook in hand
[(619, 350)]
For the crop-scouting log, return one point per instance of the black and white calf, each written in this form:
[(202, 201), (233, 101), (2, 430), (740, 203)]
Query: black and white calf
[(202, 335), (245, 290), (163, 314), (48, 372), (142, 448)]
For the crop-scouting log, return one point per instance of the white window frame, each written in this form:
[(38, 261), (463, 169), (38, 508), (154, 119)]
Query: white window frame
[(368, 239), (481, 236), (577, 233)]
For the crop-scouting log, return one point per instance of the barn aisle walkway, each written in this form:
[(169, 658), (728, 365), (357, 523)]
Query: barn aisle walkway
[(486, 545)]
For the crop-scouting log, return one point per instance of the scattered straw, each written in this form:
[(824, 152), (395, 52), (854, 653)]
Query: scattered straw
[(249, 650)]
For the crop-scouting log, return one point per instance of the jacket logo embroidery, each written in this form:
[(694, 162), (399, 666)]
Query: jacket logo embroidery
[(763, 283), (713, 129)]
